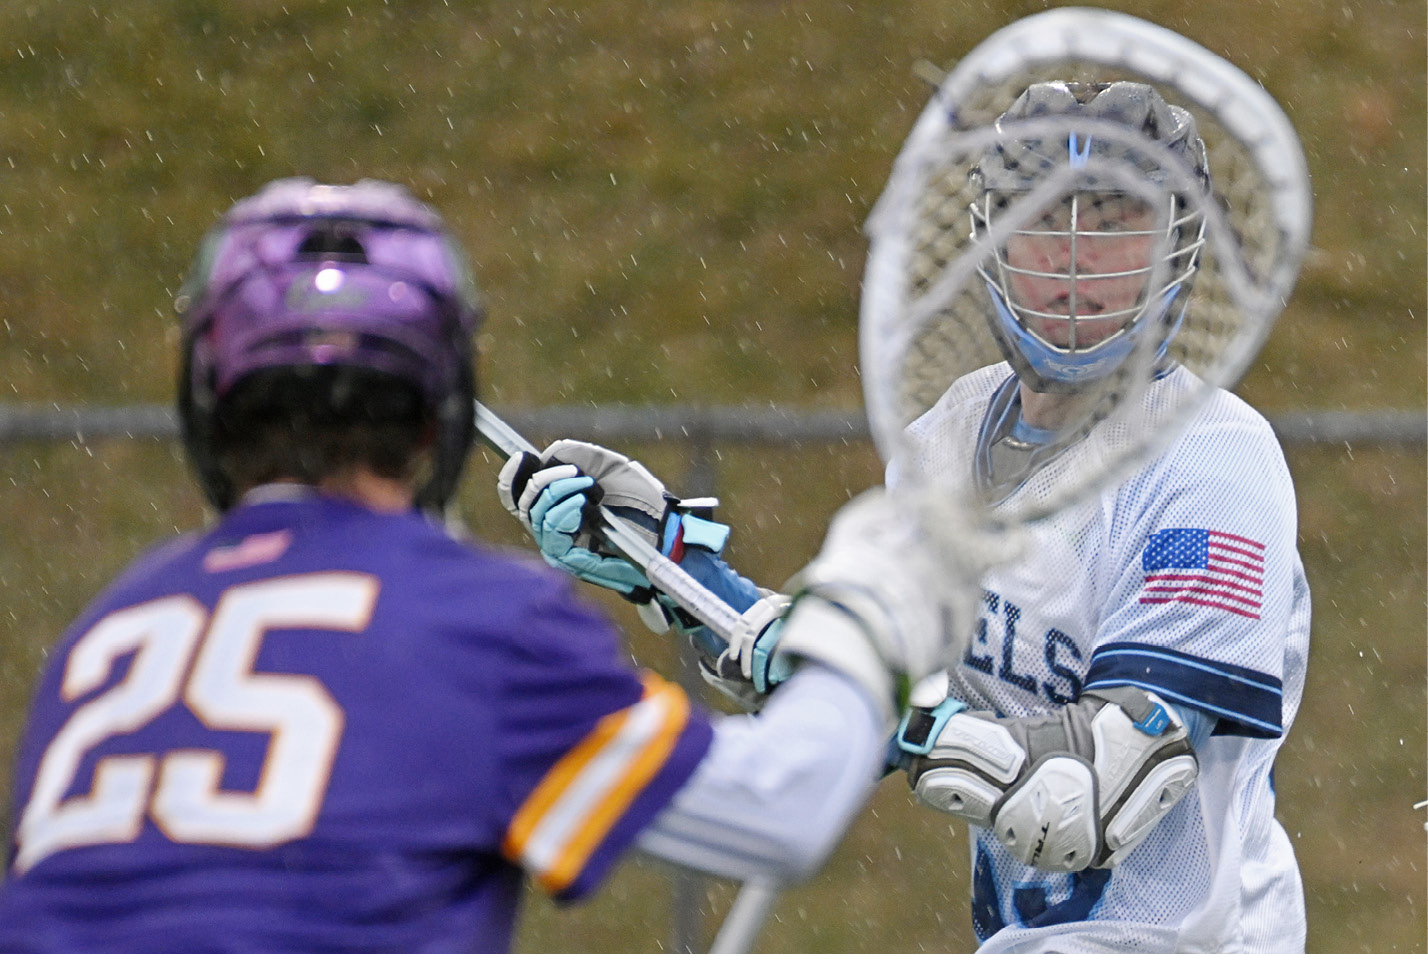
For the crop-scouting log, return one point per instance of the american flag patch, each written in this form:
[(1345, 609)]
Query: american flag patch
[(1206, 568)]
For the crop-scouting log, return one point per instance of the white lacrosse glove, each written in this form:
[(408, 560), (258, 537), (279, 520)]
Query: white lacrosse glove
[(1079, 788), (882, 602), (556, 495)]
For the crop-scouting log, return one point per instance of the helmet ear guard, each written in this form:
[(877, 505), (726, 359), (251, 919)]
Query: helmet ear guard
[(302, 275)]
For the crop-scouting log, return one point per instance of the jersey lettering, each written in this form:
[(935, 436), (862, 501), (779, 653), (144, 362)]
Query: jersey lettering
[(1056, 642), (994, 644), (971, 658), (183, 654), (1007, 673)]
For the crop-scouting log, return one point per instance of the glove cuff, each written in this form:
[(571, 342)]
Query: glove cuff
[(682, 529), (830, 635)]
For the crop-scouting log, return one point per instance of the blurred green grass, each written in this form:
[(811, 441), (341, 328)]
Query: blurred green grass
[(664, 202)]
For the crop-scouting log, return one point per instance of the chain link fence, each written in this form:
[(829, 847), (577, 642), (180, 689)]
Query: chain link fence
[(693, 424)]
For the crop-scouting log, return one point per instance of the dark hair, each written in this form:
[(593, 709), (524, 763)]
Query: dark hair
[(308, 423)]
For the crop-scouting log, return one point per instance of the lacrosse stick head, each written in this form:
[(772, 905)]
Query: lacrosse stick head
[(306, 275), (1091, 228)]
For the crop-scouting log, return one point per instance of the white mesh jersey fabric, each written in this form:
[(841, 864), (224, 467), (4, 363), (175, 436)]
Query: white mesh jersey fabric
[(1184, 579)]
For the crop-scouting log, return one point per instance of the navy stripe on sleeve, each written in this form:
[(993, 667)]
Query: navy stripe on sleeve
[(1245, 701)]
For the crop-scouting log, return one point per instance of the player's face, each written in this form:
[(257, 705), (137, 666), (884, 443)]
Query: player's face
[(1081, 269)]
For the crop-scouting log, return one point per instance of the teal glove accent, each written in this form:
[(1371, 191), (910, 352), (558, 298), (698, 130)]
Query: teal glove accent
[(698, 532), (918, 731), (767, 669), (556, 521)]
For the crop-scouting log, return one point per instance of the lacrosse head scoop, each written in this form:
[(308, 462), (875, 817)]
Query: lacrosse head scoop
[(1090, 229)]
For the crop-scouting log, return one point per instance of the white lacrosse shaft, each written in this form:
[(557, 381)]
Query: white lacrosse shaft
[(746, 917), (663, 573)]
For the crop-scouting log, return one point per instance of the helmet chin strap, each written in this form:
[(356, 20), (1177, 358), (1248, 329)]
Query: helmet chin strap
[(1045, 369)]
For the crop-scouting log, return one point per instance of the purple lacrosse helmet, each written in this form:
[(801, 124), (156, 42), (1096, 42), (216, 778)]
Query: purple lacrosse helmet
[(304, 274)]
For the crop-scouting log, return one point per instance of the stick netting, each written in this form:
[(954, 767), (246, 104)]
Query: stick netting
[(926, 308)]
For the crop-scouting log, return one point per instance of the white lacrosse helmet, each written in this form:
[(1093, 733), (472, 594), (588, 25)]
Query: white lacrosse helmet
[(1053, 348)]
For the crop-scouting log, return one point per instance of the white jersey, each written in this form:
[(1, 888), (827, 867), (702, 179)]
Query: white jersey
[(1185, 580)]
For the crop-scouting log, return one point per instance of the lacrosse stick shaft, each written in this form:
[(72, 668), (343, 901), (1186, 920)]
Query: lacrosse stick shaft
[(746, 917), (663, 573)]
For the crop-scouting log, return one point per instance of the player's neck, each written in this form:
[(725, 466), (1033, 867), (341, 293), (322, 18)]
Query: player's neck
[(371, 490), (361, 486), (1048, 411)]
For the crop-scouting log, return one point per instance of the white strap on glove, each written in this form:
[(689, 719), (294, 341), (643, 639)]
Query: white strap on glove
[(881, 602), (751, 647), (1063, 792), (746, 669)]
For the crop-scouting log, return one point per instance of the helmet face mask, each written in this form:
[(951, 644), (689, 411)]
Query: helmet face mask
[(303, 275), (1103, 262)]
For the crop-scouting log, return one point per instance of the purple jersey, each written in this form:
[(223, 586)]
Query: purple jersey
[(320, 728)]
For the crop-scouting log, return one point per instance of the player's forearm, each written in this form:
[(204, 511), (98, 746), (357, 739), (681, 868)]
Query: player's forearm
[(776, 791)]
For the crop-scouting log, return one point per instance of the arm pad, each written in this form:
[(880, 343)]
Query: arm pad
[(1075, 789)]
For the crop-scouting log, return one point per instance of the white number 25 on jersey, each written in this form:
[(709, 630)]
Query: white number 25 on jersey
[(180, 790)]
